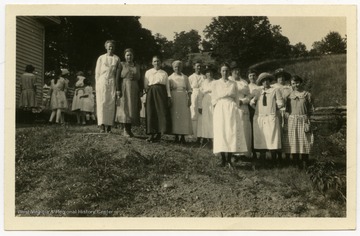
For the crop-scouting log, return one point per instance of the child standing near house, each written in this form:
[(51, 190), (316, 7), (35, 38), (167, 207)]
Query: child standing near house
[(76, 102), (58, 101), (87, 102)]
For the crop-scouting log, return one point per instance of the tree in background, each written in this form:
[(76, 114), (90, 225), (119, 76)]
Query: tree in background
[(206, 46), (332, 43), (246, 39), (185, 43), (77, 41), (299, 50), (166, 47)]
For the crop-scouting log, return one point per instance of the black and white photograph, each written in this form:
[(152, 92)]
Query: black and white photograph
[(215, 116)]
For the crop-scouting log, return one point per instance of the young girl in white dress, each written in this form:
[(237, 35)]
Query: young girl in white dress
[(87, 102), (78, 93)]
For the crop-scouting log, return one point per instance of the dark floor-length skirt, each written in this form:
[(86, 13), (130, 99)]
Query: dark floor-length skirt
[(158, 119)]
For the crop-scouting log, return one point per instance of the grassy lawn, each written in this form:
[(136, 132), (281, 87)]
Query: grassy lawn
[(75, 171)]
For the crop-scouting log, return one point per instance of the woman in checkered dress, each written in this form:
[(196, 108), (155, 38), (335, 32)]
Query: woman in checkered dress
[(298, 138)]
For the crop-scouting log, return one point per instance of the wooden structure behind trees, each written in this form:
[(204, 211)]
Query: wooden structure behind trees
[(329, 119)]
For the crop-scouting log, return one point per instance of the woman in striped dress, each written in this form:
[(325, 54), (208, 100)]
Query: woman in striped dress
[(298, 138)]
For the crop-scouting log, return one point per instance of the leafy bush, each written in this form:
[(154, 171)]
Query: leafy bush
[(327, 179)]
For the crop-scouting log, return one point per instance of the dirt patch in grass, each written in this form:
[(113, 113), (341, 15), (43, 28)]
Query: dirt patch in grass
[(74, 171)]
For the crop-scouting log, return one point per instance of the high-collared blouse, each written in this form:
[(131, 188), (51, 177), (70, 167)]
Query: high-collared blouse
[(154, 76)]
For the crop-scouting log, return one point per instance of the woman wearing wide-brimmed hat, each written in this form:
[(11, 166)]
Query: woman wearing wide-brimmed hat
[(298, 138), (266, 123), (282, 78)]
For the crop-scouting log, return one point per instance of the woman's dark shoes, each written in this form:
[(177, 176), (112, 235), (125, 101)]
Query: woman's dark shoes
[(176, 140), (222, 162), (157, 137), (182, 140), (127, 131), (126, 134), (102, 128), (153, 139)]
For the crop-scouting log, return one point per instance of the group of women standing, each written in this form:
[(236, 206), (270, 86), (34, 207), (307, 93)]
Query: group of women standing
[(230, 113), (240, 117)]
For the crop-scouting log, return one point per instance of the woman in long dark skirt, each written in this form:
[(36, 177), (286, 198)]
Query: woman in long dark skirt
[(158, 101)]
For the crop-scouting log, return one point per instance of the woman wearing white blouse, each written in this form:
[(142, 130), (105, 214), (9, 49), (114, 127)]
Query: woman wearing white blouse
[(225, 100), (107, 71), (244, 114), (158, 101), (267, 135)]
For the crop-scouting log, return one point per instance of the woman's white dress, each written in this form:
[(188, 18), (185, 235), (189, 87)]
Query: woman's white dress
[(226, 116), (205, 130), (105, 78), (266, 122), (244, 117)]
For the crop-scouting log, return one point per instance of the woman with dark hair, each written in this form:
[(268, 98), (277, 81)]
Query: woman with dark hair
[(196, 80), (298, 138), (254, 89), (130, 85), (205, 109), (225, 100), (106, 73), (283, 84), (244, 114), (158, 101)]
